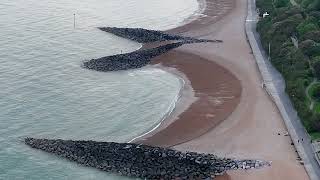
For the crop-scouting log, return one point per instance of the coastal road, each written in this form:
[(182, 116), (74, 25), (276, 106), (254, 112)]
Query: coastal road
[(277, 92)]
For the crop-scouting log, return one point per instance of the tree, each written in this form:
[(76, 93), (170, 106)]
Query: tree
[(281, 3), (314, 124), (314, 5), (305, 27), (285, 13), (313, 35), (315, 14), (316, 67), (307, 46), (316, 91), (306, 3)]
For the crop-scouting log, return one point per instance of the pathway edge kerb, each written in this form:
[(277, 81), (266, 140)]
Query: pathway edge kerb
[(272, 91)]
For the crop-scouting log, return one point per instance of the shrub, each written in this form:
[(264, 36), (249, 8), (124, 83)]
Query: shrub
[(314, 5), (307, 118), (310, 48), (315, 14), (296, 90), (306, 3), (316, 91), (305, 27), (306, 82), (315, 122), (285, 21), (307, 46), (316, 67), (265, 6), (310, 73), (316, 58), (285, 13), (312, 35), (281, 3)]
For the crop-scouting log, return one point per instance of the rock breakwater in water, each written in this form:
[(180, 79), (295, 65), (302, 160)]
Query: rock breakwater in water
[(146, 36), (142, 161), (131, 60), (139, 58)]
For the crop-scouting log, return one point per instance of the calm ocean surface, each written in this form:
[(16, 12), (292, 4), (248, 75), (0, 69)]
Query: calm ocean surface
[(45, 93)]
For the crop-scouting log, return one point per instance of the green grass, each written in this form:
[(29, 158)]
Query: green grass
[(315, 136)]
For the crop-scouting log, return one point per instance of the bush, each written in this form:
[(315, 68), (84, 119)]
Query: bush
[(316, 58), (281, 3), (307, 117), (315, 5), (316, 67), (310, 73), (296, 90), (285, 13), (315, 14), (305, 27), (307, 46), (306, 3), (310, 48), (312, 35), (306, 82), (277, 29), (316, 91), (314, 124), (265, 6), (286, 49)]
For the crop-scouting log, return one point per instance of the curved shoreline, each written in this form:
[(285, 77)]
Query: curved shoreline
[(169, 112), (213, 102), (253, 128)]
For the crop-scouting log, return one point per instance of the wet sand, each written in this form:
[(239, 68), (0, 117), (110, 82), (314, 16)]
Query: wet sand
[(211, 92), (217, 93), (245, 126)]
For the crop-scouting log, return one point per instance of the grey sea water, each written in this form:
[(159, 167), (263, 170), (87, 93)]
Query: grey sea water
[(44, 92)]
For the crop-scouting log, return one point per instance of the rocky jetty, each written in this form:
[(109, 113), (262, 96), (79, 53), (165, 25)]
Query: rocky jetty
[(142, 161), (131, 60), (138, 58), (146, 36)]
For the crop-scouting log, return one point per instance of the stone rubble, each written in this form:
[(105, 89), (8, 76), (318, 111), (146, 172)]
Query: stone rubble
[(139, 58), (133, 60), (146, 36), (143, 161)]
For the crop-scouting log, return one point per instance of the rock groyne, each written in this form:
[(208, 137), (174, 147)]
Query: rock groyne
[(139, 58), (146, 36), (142, 161), (131, 60)]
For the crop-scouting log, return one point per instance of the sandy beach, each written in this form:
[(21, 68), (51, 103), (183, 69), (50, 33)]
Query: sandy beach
[(208, 97), (230, 113)]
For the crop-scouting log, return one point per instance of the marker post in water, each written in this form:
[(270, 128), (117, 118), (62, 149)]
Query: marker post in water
[(74, 21)]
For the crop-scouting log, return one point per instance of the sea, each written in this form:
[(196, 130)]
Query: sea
[(45, 93)]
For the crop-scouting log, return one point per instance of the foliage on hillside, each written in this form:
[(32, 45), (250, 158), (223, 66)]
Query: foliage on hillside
[(298, 65)]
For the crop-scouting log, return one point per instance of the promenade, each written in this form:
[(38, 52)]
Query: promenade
[(275, 86)]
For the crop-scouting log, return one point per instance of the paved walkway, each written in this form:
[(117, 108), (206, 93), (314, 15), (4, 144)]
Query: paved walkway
[(275, 86)]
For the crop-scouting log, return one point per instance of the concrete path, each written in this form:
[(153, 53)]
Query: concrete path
[(275, 86)]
